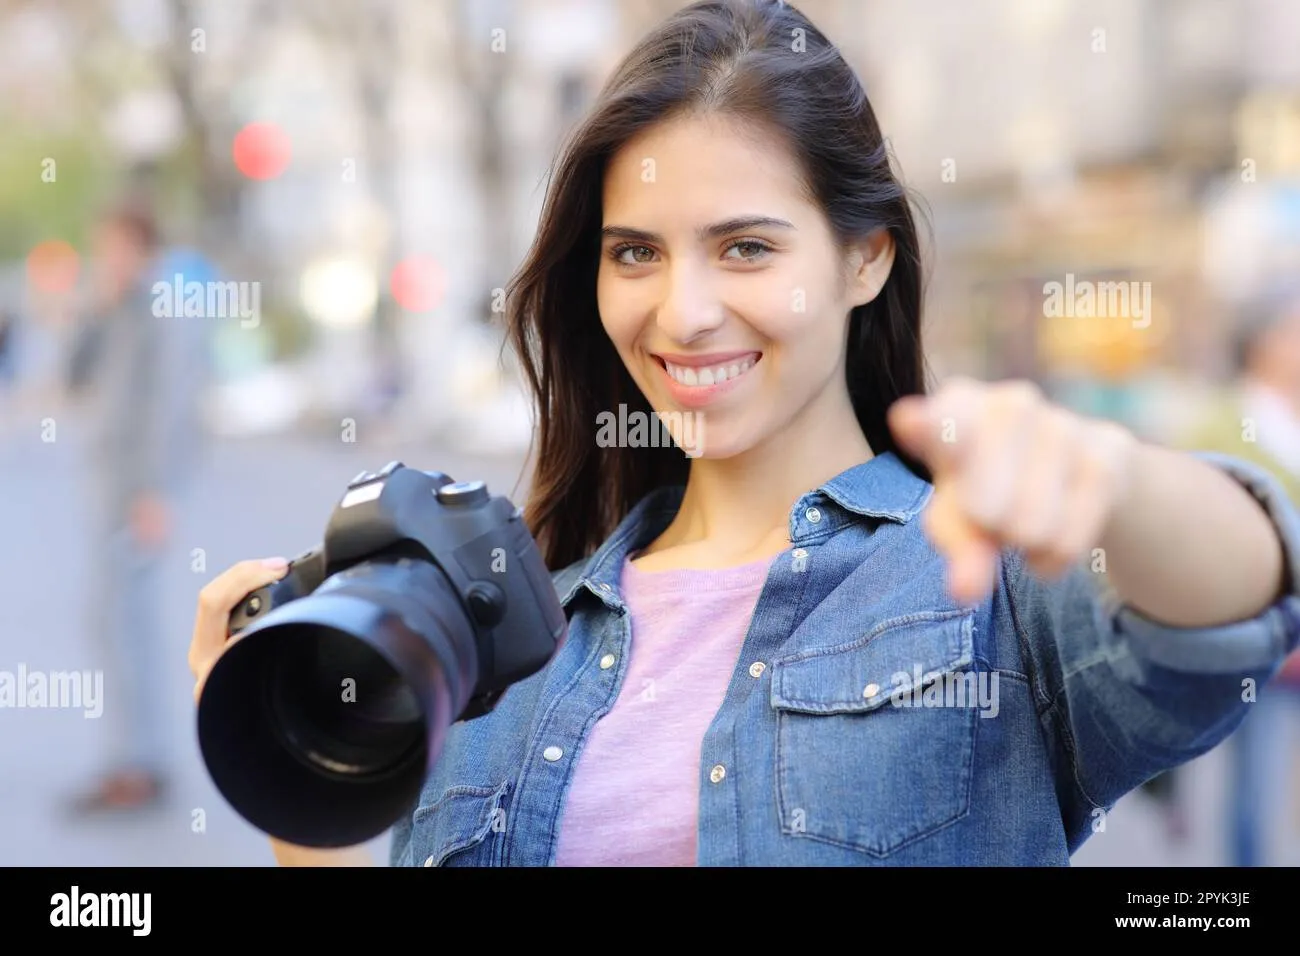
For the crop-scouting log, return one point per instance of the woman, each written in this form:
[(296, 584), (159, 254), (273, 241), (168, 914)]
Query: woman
[(844, 622)]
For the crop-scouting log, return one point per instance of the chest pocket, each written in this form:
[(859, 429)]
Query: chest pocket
[(463, 827), (876, 737)]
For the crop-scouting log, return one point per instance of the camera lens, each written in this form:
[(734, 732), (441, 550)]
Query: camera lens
[(320, 723), (337, 703)]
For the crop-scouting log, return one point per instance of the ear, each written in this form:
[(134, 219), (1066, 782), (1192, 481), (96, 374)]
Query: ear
[(869, 262)]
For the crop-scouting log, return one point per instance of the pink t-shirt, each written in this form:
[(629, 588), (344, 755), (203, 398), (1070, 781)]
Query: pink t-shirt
[(634, 797)]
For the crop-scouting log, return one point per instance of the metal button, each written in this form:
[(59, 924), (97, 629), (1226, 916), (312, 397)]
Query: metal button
[(607, 662), (429, 862), (717, 773), (463, 493), (871, 690), (813, 515), (604, 587), (552, 753), (756, 669), (799, 553)]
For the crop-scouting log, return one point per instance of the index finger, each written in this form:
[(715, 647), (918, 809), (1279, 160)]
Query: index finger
[(937, 429), (970, 552), (220, 596)]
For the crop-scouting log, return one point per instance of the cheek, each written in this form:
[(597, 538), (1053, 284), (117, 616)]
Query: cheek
[(806, 328), (625, 322), (623, 309)]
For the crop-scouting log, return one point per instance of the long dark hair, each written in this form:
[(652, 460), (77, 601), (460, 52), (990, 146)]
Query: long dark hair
[(756, 60)]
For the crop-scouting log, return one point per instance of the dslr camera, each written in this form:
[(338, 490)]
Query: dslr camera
[(425, 601)]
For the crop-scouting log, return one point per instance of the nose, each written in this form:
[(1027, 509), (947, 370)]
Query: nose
[(690, 307)]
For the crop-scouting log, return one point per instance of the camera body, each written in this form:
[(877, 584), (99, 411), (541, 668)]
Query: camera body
[(478, 541), (426, 599)]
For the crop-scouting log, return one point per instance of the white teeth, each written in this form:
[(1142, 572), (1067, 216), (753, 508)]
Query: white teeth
[(716, 375)]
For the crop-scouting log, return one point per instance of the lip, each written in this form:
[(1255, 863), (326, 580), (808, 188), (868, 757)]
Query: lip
[(698, 396), (704, 361)]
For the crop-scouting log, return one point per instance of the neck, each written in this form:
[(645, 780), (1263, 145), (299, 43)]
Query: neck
[(742, 504)]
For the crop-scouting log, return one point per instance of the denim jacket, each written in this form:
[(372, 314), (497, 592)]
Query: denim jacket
[(870, 719)]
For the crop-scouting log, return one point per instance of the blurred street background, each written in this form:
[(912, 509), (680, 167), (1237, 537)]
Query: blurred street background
[(366, 175)]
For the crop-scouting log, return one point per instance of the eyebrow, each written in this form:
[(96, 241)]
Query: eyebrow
[(713, 231)]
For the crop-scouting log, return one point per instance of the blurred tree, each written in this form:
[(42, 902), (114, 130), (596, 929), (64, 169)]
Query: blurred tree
[(36, 209), (367, 37), (209, 130), (481, 55)]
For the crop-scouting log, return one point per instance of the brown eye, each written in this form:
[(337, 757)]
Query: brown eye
[(619, 253), (753, 249)]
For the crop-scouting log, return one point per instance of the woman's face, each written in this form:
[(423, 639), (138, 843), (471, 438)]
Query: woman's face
[(721, 285)]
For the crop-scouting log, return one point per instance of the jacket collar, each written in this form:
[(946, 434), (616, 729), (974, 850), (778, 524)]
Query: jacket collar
[(882, 487)]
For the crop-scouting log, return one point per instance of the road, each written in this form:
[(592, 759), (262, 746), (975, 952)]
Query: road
[(254, 498)]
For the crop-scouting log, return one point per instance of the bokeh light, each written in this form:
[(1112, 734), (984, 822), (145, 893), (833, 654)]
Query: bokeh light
[(339, 292), (53, 266), (261, 151), (418, 283)]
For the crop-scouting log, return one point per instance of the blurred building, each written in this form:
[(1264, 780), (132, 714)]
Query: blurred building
[(1152, 143)]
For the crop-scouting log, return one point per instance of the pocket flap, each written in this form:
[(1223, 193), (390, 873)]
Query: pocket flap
[(894, 657), (460, 818)]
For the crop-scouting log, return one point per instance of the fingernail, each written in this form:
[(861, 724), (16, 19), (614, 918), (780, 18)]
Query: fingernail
[(277, 563)]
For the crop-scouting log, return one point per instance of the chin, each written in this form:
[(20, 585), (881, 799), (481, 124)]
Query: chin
[(716, 446)]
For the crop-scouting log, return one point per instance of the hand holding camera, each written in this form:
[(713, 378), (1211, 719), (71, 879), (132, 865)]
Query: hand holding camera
[(217, 601), (426, 600)]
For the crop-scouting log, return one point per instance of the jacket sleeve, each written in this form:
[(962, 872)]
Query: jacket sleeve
[(1121, 697)]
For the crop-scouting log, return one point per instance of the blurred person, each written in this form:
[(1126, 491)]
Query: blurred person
[(1258, 420), (11, 371), (759, 617), (8, 348), (137, 376)]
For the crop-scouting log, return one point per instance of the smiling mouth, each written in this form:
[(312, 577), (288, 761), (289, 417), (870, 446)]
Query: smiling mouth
[(706, 375)]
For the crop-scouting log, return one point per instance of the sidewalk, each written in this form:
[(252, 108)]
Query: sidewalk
[(257, 497)]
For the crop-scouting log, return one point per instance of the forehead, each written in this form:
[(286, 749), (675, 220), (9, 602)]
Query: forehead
[(703, 167)]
